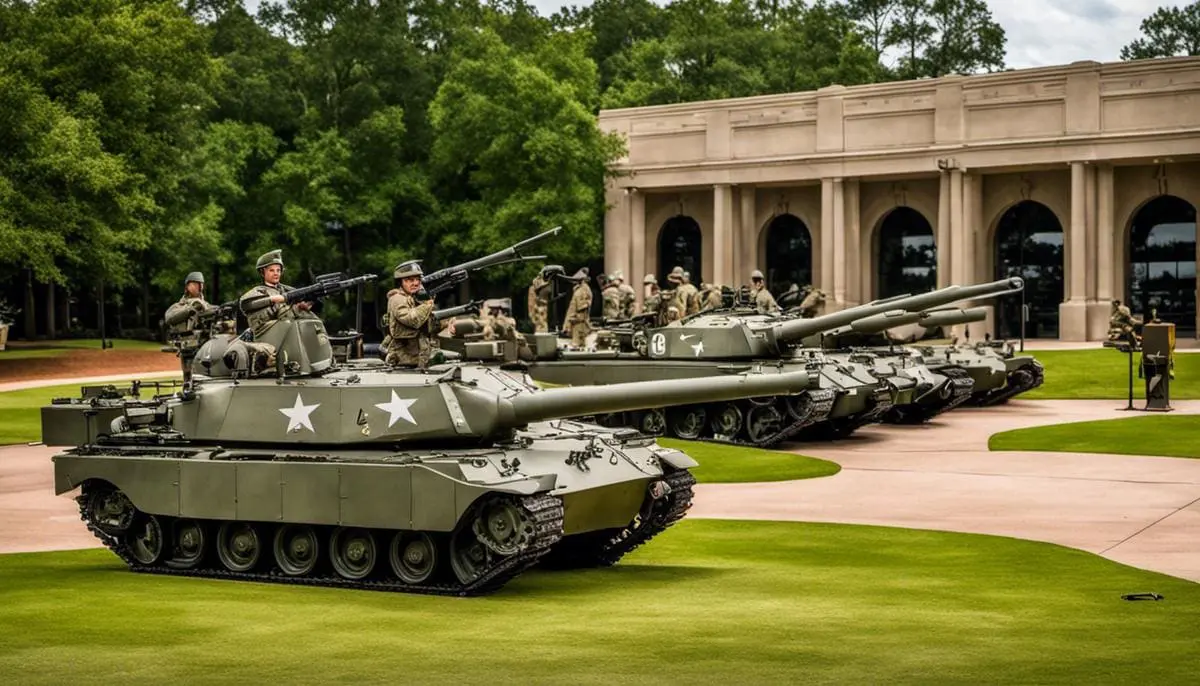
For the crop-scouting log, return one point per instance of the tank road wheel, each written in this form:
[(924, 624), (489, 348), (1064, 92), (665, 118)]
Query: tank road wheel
[(189, 544), (110, 509), (352, 552), (414, 556), (762, 421), (651, 422), (468, 557), (762, 400), (727, 420), (145, 539), (503, 527), (799, 406), (687, 422), (296, 549), (238, 546)]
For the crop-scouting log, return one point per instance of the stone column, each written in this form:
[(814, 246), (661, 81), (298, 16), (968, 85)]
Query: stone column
[(823, 271), (840, 276), (975, 236), (853, 264), (1100, 251), (941, 238), (748, 254), (617, 235), (722, 234), (958, 230), (1072, 314), (637, 243)]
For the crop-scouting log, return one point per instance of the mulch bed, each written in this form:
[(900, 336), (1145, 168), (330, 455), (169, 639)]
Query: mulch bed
[(77, 363)]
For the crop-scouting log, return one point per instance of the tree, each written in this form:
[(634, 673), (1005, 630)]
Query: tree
[(875, 18), (1168, 32), (939, 37)]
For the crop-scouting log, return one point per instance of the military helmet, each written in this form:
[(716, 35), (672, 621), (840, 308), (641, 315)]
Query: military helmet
[(650, 278), (194, 276), (269, 258), (407, 269), (617, 275), (687, 276), (756, 274), (676, 275), (581, 275)]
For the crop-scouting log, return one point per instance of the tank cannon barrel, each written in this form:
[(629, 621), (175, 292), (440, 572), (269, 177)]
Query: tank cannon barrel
[(953, 317), (887, 320), (796, 329), (554, 403)]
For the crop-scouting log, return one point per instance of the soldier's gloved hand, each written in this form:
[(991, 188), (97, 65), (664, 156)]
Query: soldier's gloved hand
[(421, 295)]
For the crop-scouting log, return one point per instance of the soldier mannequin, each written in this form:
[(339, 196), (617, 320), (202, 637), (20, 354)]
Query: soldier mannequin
[(412, 330), (182, 318), (611, 301), (764, 302), (261, 312), (579, 321), (539, 303)]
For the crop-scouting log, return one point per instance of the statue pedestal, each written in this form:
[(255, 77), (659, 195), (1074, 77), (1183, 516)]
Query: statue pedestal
[(1072, 321), (1098, 316)]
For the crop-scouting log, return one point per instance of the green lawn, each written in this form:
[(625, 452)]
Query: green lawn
[(708, 602), (738, 464), (20, 411), (21, 350), (1104, 374), (1169, 435)]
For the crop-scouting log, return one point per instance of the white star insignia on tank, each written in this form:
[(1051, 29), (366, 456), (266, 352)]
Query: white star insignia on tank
[(299, 415), (398, 408), (698, 348)]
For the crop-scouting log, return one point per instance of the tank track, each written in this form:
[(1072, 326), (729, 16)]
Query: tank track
[(843, 427), (606, 548), (1019, 381), (822, 405), (547, 512), (961, 386)]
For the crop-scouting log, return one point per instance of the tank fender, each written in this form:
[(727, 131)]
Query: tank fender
[(675, 458)]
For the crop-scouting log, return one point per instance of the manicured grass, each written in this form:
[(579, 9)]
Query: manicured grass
[(20, 411), (738, 464), (31, 350), (1104, 374), (1169, 435), (708, 602)]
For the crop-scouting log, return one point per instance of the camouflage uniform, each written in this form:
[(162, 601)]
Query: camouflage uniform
[(688, 294), (579, 313), (183, 320), (764, 302), (628, 297), (255, 303), (539, 304), (412, 329), (671, 304), (813, 303), (611, 301), (650, 294), (710, 297)]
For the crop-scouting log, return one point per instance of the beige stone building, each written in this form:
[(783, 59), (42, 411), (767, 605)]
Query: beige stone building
[(1084, 179)]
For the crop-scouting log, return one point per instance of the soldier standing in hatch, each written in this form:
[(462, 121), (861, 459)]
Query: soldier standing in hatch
[(264, 304), (611, 301), (579, 311), (182, 318), (412, 329), (764, 302), (539, 303)]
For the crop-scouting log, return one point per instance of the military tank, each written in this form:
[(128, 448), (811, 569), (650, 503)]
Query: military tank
[(304, 469), (849, 388)]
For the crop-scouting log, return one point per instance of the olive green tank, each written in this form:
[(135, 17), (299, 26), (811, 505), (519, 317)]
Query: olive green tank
[(352, 473), (849, 389)]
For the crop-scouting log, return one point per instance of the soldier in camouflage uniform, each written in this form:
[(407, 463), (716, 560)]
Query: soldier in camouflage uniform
[(539, 302), (671, 307), (183, 321), (263, 305), (710, 297), (412, 329), (764, 302), (611, 301), (650, 294), (689, 295), (579, 321), (628, 295), (813, 303)]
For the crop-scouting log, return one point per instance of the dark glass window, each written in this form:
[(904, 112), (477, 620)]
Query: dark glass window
[(907, 257), (1162, 262), (789, 254), (1029, 244), (679, 244)]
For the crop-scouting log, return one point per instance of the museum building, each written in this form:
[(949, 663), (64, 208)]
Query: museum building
[(1083, 179)]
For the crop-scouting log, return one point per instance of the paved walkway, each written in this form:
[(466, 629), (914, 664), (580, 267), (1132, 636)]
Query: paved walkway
[(1142, 511), (169, 372)]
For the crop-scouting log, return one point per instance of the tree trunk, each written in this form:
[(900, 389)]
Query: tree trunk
[(64, 311), (30, 307), (51, 325)]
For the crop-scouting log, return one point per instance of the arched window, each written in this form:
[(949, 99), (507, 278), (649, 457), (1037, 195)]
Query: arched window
[(907, 257), (1162, 262), (679, 243), (789, 254), (1029, 244)]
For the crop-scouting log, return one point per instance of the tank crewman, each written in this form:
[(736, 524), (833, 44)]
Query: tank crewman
[(261, 313), (650, 294), (182, 320), (710, 297), (500, 325), (813, 302), (412, 329), (579, 320), (610, 300), (539, 303), (628, 295), (671, 307), (689, 295), (764, 302)]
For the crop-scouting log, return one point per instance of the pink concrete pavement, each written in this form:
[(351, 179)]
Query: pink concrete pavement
[(1142, 511)]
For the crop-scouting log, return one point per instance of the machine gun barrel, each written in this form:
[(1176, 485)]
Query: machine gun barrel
[(585, 400), (796, 329), (324, 287), (472, 307), (954, 317), (442, 279)]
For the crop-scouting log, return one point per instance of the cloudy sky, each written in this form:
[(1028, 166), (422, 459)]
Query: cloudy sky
[(1042, 32)]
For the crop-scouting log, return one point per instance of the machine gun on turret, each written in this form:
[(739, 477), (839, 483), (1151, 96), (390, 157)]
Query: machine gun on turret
[(459, 310), (325, 286), (443, 279)]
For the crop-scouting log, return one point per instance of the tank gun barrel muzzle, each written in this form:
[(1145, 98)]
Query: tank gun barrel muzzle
[(555, 403), (797, 329), (953, 317)]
